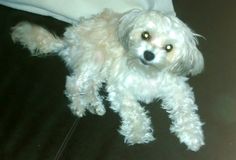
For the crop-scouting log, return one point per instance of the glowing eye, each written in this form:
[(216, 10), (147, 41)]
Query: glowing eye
[(146, 36), (168, 47)]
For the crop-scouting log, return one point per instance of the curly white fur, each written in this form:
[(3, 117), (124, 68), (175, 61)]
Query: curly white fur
[(109, 48)]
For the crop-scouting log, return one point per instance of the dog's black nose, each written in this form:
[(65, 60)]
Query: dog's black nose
[(148, 55)]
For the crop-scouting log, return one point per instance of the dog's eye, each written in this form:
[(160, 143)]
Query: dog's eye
[(146, 36), (168, 47)]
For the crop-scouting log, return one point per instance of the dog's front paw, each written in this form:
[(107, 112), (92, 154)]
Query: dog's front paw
[(137, 136), (193, 138), (195, 143), (139, 139)]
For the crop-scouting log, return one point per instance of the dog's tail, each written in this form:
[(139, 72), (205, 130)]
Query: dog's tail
[(37, 39)]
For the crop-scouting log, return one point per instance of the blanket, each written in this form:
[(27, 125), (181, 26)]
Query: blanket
[(71, 10)]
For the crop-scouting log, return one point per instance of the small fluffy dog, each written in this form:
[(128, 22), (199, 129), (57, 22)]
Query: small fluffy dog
[(140, 55)]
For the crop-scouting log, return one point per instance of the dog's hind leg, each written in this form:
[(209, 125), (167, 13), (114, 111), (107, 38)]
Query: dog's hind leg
[(83, 94), (95, 100)]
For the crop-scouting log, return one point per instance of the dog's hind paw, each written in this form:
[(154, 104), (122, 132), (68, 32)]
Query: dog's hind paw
[(79, 113), (100, 111), (97, 109)]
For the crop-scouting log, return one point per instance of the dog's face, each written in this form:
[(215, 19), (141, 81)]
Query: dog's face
[(155, 41)]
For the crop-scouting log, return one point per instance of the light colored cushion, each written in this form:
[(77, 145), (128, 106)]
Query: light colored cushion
[(72, 10)]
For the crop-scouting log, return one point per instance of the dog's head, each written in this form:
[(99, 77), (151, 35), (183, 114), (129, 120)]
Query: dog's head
[(158, 41)]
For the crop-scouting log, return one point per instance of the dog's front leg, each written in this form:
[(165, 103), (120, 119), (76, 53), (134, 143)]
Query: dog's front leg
[(135, 124), (178, 100)]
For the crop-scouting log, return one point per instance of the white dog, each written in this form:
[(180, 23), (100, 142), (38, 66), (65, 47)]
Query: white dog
[(140, 55)]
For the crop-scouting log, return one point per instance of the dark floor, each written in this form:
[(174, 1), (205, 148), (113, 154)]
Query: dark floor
[(34, 117)]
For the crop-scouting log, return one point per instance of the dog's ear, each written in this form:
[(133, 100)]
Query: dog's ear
[(196, 59), (126, 25), (189, 60)]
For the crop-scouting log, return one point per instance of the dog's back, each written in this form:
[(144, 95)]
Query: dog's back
[(94, 36)]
